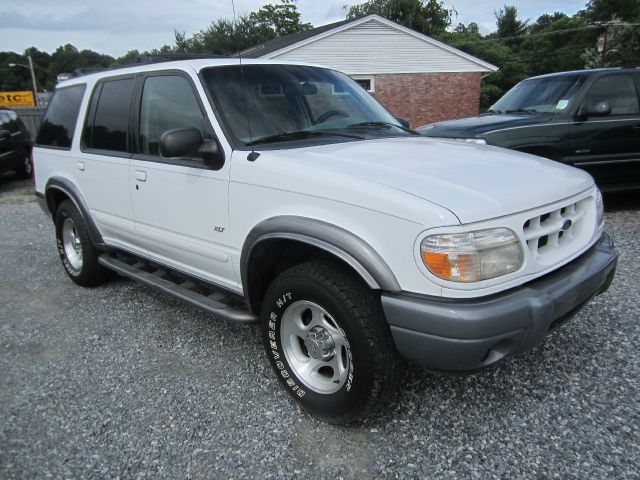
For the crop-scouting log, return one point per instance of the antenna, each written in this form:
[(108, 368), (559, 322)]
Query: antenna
[(253, 155)]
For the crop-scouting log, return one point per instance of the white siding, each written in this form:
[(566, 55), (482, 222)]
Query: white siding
[(373, 47)]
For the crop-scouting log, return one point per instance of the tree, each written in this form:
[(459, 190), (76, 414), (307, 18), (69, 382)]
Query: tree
[(471, 28), (603, 10), (555, 43), (226, 37), (430, 17), (281, 19), (622, 46), (508, 23)]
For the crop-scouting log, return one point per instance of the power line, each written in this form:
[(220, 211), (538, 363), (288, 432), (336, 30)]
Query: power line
[(557, 32)]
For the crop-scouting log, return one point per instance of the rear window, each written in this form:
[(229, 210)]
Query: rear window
[(59, 122)]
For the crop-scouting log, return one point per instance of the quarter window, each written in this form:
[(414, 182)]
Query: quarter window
[(59, 122), (168, 102), (110, 126), (618, 90)]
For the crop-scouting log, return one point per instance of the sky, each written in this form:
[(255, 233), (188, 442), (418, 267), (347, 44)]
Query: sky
[(116, 26)]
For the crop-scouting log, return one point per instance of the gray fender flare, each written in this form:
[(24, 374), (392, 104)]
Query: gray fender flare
[(70, 190), (335, 240)]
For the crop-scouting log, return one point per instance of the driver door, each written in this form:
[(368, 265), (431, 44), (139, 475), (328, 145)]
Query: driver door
[(608, 146), (179, 204)]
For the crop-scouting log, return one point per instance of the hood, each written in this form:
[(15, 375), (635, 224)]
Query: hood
[(473, 127), (474, 182)]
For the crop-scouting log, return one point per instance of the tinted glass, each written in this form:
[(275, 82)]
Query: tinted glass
[(111, 121), (168, 102), (618, 90), (261, 101), (59, 122), (548, 95)]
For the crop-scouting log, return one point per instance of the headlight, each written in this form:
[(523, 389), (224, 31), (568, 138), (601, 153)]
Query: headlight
[(599, 207), (473, 256)]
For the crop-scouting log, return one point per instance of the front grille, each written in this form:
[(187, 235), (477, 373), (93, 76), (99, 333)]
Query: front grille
[(551, 235)]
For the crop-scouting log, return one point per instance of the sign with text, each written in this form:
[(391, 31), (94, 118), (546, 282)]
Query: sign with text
[(17, 99)]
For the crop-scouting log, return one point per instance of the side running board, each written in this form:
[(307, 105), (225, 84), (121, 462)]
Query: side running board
[(223, 305)]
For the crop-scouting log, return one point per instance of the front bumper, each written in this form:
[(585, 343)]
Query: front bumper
[(466, 335)]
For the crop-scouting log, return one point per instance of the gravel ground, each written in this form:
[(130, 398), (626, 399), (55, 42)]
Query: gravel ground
[(120, 381)]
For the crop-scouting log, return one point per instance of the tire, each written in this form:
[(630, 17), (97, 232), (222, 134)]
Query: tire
[(77, 253), (328, 342), (25, 169)]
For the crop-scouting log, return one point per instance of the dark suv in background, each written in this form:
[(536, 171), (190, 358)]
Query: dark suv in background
[(589, 119), (15, 145)]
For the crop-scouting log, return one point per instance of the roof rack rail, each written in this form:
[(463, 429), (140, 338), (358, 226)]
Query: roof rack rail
[(145, 59)]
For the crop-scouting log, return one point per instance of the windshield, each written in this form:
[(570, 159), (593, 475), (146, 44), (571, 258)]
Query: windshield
[(284, 103), (540, 95)]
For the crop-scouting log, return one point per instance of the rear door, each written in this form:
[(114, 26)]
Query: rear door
[(608, 147), (104, 166), (179, 204)]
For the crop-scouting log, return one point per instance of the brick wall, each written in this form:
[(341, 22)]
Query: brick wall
[(424, 98)]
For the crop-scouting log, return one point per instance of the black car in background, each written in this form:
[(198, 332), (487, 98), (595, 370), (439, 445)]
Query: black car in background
[(589, 119), (15, 145)]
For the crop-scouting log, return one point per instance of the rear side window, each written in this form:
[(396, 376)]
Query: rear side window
[(59, 122), (108, 122)]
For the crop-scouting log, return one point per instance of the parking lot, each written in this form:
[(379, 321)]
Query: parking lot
[(121, 381)]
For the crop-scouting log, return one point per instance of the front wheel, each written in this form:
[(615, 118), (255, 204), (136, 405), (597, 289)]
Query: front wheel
[(328, 341)]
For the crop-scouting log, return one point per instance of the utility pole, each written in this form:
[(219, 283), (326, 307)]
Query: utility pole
[(604, 45), (33, 81)]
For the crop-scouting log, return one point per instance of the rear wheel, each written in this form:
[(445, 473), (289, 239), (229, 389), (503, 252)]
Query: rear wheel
[(328, 341), (77, 253)]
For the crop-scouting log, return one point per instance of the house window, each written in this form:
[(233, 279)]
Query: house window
[(365, 81)]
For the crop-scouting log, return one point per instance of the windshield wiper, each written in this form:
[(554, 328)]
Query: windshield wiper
[(491, 110), (383, 125), (300, 135), (522, 110)]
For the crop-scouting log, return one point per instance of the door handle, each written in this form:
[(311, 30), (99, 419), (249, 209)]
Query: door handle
[(141, 176), (636, 126), (81, 165)]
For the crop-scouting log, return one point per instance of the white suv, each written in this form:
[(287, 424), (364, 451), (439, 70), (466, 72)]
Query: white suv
[(285, 194)]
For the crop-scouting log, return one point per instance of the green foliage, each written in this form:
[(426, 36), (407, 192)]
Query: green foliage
[(508, 23), (280, 19), (224, 37), (430, 17), (622, 41), (602, 10), (65, 59), (556, 42)]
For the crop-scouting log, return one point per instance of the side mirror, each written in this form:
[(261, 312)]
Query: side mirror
[(404, 122), (180, 142), (184, 142), (600, 109)]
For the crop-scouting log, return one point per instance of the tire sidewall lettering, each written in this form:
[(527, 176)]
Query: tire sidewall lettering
[(295, 386)]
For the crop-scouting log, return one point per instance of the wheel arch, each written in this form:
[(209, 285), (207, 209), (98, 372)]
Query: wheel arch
[(301, 237), (59, 189)]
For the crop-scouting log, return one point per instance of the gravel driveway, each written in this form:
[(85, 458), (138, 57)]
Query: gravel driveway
[(120, 381)]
